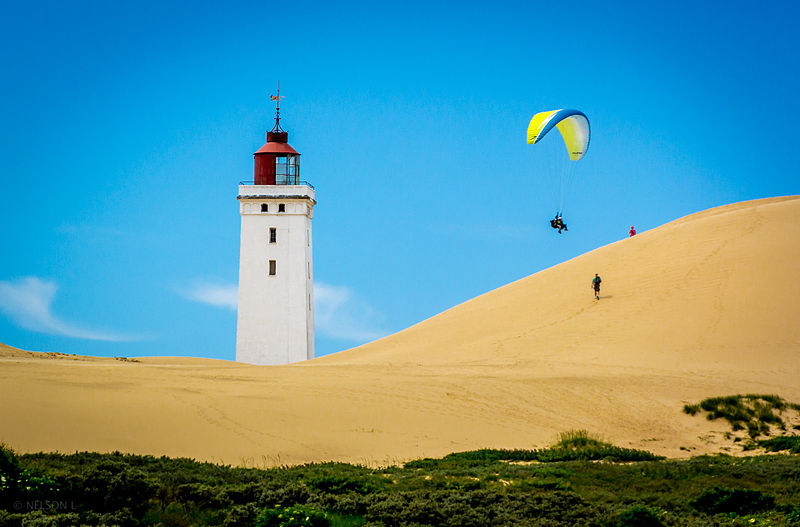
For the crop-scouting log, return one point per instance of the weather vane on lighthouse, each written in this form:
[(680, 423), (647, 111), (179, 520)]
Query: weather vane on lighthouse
[(277, 98)]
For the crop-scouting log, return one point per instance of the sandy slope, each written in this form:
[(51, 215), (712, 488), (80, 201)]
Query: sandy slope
[(706, 305)]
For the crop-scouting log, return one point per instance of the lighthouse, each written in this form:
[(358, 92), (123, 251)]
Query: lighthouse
[(275, 321)]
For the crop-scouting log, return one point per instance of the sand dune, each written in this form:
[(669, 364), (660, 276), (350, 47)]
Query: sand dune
[(706, 305)]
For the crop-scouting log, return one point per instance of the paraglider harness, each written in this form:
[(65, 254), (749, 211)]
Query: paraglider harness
[(558, 223)]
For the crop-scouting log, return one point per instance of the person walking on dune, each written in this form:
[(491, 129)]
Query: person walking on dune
[(632, 232), (596, 286)]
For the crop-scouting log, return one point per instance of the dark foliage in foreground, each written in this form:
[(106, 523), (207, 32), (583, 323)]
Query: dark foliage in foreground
[(639, 516), (468, 489), (737, 501)]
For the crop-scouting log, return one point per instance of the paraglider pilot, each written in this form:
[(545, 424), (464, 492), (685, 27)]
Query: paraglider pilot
[(573, 125), (558, 223)]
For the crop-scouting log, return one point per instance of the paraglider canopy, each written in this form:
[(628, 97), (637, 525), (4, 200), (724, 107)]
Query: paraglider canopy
[(573, 125)]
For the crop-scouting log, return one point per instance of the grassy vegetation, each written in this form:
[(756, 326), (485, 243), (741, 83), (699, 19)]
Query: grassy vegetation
[(781, 444), (572, 446), (572, 483), (758, 414)]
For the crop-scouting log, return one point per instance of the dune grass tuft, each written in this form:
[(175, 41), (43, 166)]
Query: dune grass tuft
[(781, 444), (577, 439), (757, 414)]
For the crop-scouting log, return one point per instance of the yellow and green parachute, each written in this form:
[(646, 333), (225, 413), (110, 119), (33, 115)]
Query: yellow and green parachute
[(553, 165), (573, 125)]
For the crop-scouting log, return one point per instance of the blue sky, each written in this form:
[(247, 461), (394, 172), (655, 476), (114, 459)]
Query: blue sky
[(126, 128)]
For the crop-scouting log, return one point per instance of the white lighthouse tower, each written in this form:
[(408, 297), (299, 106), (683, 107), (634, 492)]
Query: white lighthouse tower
[(275, 323)]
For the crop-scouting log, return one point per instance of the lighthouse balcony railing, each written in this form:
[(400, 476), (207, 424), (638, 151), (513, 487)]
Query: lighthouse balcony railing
[(283, 180)]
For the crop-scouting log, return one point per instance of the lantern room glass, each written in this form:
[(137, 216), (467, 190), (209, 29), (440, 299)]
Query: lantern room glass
[(287, 170)]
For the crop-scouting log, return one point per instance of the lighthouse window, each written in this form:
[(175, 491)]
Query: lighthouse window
[(281, 168), (273, 235), (286, 170), (272, 267), (264, 207), (282, 207)]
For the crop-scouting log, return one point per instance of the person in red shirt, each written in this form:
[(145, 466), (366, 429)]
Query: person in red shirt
[(632, 231)]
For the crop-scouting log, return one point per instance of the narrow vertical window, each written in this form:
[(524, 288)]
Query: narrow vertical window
[(308, 264), (272, 267), (264, 207), (308, 238), (309, 302), (273, 235), (281, 207)]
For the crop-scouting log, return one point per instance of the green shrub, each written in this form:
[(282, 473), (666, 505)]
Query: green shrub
[(8, 519), (114, 486), (639, 516), (9, 467), (240, 494), (284, 494), (575, 445), (18, 484), (202, 496), (340, 484), (40, 519), (778, 444), (295, 516), (794, 516), (119, 518), (403, 508), (340, 520), (241, 515), (478, 509), (603, 451), (738, 501), (467, 489)]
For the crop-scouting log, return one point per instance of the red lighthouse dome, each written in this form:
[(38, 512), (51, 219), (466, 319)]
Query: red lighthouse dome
[(277, 163)]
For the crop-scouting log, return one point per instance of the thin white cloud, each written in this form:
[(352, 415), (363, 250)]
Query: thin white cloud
[(338, 312), (28, 303), (212, 294)]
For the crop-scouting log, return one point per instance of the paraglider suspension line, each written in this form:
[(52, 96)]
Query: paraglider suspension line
[(564, 185)]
